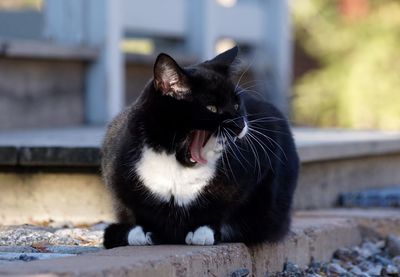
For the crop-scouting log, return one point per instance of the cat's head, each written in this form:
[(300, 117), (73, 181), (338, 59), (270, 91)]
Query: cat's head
[(203, 97)]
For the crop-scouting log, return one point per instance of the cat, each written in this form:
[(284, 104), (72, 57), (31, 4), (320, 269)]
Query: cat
[(198, 160)]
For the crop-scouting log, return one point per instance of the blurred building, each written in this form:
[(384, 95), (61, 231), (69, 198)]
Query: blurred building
[(79, 62)]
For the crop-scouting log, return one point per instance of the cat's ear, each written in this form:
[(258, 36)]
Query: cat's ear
[(169, 78), (227, 63), (226, 58)]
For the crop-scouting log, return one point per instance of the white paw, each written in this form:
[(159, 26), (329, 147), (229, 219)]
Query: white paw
[(202, 236), (136, 236)]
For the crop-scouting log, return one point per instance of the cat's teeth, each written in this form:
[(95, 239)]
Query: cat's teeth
[(193, 161)]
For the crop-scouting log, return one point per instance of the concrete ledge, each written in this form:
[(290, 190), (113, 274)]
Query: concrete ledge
[(46, 147), (329, 144), (8, 155), (310, 238), (31, 49), (67, 147), (58, 156), (315, 236), (372, 222)]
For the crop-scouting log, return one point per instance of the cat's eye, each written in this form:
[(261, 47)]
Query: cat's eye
[(236, 107), (212, 108)]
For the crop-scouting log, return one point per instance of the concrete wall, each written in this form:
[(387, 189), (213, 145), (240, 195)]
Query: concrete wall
[(21, 24), (41, 93)]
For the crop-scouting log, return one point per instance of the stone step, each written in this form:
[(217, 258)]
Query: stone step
[(314, 236), (54, 174)]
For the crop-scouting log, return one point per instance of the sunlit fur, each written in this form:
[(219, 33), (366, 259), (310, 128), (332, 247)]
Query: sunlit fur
[(243, 193)]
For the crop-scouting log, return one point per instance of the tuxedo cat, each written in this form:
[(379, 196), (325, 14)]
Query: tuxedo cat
[(198, 160)]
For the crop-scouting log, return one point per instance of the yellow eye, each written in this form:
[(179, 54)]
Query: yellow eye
[(236, 107), (212, 108)]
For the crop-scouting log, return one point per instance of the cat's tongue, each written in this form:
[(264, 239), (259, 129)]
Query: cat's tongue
[(199, 138)]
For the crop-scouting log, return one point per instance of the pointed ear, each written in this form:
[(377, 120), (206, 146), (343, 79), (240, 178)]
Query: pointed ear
[(226, 58), (169, 78)]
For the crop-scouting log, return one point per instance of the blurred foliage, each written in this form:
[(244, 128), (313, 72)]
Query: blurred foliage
[(358, 82), (20, 4)]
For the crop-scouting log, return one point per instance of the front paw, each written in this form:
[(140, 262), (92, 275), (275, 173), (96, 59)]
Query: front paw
[(120, 234), (137, 236), (115, 235), (203, 235)]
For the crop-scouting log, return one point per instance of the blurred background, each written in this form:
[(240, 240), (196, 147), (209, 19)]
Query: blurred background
[(347, 65), (325, 63)]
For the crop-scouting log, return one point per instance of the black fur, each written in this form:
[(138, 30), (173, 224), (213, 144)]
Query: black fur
[(254, 183)]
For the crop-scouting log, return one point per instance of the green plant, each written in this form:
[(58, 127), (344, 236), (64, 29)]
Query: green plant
[(358, 83)]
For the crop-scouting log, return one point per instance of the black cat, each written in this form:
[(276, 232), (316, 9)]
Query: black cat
[(197, 160)]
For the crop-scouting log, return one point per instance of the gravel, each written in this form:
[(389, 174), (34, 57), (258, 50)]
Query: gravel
[(26, 243), (371, 258)]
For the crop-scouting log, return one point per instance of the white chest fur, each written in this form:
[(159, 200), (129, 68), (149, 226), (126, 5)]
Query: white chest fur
[(164, 176)]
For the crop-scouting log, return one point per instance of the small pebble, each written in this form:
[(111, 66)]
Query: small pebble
[(392, 270), (26, 258), (396, 261), (356, 270), (336, 268), (369, 259), (291, 267), (23, 236), (364, 265), (375, 270), (393, 245), (345, 254), (242, 272), (26, 243), (381, 260)]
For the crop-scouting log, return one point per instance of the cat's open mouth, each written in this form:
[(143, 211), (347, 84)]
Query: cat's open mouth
[(198, 139)]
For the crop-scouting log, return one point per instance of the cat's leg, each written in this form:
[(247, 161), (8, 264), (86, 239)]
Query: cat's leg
[(265, 216), (203, 235), (122, 234)]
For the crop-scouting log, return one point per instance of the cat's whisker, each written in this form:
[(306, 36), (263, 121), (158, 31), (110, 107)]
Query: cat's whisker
[(243, 73), (242, 88), (268, 148), (250, 82), (264, 119), (254, 152), (252, 85), (257, 165), (233, 119), (239, 148), (230, 167), (260, 128), (250, 90), (270, 140), (230, 146), (258, 140)]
